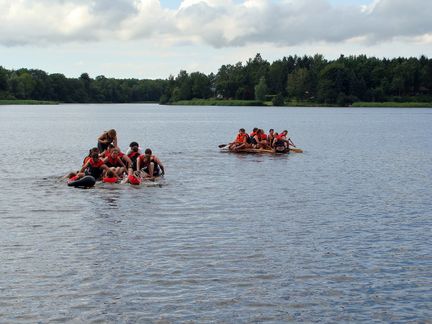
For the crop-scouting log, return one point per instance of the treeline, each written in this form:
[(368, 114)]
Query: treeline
[(26, 84), (309, 79)]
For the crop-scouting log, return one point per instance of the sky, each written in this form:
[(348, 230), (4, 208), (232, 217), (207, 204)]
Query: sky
[(150, 39)]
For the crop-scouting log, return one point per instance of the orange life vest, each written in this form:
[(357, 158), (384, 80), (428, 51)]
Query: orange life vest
[(110, 180), (241, 138)]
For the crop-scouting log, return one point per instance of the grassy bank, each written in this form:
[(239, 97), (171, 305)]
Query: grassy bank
[(393, 104), (218, 102), (26, 102), (296, 103), (232, 102)]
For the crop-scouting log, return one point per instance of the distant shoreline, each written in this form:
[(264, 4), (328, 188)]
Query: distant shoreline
[(245, 103), (306, 104), (393, 104), (27, 102)]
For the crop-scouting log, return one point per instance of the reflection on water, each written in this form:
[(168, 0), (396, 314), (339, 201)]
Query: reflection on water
[(340, 233)]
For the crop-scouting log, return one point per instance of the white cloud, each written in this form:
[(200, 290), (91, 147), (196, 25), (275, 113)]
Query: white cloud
[(219, 23)]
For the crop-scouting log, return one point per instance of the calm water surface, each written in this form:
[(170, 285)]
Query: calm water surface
[(340, 233)]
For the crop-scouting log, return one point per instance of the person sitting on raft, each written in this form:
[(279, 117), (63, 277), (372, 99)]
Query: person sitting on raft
[(114, 162), (91, 151), (133, 153), (264, 142), (270, 137), (107, 138), (253, 133), (150, 165), (252, 139), (126, 160), (282, 142), (259, 140), (241, 141), (94, 167)]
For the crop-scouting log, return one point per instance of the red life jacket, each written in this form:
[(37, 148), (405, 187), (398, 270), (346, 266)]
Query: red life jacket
[(113, 161), (133, 154), (146, 163), (94, 164), (73, 178), (142, 157), (263, 137), (108, 154), (86, 159), (241, 138), (281, 137), (134, 180), (110, 180)]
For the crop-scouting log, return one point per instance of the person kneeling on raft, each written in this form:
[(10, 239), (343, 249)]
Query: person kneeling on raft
[(94, 167), (150, 165), (114, 162), (282, 142)]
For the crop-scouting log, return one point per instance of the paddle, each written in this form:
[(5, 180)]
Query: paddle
[(296, 150), (222, 145)]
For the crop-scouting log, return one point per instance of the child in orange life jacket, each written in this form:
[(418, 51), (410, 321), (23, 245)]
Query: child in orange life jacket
[(259, 140), (150, 165), (262, 139), (241, 140), (133, 153), (252, 138), (126, 160), (270, 137), (94, 166), (91, 151), (110, 177), (114, 162), (282, 141)]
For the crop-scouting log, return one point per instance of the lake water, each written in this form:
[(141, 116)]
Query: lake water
[(340, 233)]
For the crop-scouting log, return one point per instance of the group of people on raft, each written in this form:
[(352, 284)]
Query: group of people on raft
[(106, 162), (258, 139)]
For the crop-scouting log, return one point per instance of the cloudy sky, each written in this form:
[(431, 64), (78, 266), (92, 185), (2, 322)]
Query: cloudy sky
[(156, 38)]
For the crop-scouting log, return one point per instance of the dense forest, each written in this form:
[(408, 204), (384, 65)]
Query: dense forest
[(309, 78)]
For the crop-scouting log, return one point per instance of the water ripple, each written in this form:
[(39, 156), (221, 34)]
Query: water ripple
[(340, 233)]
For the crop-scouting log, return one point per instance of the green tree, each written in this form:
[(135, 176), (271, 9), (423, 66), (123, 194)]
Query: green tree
[(333, 83), (277, 77), (85, 87), (200, 85), (21, 84), (261, 90), (298, 84), (184, 86), (3, 79), (228, 79)]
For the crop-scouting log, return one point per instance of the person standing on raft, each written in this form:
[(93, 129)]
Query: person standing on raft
[(107, 138)]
